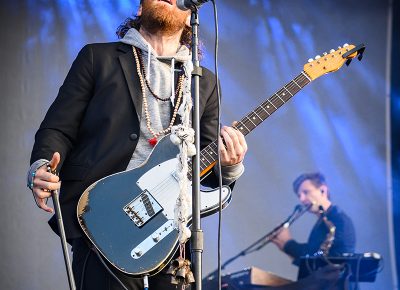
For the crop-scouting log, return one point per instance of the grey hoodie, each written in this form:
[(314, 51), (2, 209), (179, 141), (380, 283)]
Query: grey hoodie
[(160, 74), (158, 70)]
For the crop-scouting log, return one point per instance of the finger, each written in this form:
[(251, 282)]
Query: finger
[(222, 149), (229, 142), (228, 156), (239, 145), (241, 139), (228, 150), (42, 204), (42, 174), (40, 183), (237, 135), (39, 193), (232, 133), (224, 154), (54, 161)]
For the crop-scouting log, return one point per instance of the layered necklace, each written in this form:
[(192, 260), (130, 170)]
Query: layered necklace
[(143, 84)]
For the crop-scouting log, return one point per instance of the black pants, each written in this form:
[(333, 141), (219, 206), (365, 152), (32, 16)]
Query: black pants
[(91, 274)]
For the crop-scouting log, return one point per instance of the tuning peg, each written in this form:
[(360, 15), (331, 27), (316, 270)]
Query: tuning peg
[(310, 60), (346, 44), (317, 57), (325, 53), (332, 51), (339, 47)]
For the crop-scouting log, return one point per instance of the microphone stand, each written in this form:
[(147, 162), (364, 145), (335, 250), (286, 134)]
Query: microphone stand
[(197, 239), (57, 209), (60, 223), (263, 241)]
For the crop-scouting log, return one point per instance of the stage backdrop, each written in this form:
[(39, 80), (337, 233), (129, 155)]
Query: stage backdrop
[(335, 125)]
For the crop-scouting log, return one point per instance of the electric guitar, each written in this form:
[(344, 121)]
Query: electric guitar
[(129, 216)]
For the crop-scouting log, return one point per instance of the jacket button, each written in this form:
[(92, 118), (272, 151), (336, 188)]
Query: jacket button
[(133, 136)]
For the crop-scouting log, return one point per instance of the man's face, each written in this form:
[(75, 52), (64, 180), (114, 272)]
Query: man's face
[(162, 15), (308, 194)]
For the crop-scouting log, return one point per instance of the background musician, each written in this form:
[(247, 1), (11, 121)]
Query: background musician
[(312, 189)]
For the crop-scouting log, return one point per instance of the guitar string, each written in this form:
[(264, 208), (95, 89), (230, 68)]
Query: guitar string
[(290, 87), (161, 187), (273, 101), (300, 80)]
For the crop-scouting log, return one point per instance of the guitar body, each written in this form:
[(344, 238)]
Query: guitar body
[(128, 216)]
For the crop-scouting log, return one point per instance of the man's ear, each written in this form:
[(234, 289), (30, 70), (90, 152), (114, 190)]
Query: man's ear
[(323, 189)]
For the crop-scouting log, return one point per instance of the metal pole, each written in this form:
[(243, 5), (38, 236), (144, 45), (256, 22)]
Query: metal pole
[(67, 260), (197, 234)]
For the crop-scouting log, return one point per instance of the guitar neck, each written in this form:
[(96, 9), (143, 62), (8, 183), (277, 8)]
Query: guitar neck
[(208, 155), (272, 104)]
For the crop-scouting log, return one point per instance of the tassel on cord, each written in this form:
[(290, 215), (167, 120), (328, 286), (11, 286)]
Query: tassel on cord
[(182, 135)]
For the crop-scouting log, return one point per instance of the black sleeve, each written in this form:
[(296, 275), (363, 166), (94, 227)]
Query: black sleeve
[(209, 120), (344, 241), (208, 108), (59, 129), (345, 236), (296, 250)]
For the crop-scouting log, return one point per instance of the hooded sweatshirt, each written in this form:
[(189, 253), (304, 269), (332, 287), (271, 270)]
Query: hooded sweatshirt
[(160, 76), (159, 70)]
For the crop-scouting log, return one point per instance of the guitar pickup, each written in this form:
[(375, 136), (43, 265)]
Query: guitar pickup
[(142, 208)]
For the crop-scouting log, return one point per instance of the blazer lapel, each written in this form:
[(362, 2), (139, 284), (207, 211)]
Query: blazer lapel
[(129, 68)]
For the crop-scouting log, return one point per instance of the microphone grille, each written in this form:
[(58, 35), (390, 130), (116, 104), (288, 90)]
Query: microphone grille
[(181, 5), (298, 207)]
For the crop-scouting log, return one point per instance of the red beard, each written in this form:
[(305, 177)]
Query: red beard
[(159, 17)]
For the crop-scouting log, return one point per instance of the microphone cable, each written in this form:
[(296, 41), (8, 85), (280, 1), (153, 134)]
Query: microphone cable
[(216, 47)]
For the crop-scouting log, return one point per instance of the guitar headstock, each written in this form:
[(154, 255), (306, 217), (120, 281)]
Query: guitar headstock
[(332, 61)]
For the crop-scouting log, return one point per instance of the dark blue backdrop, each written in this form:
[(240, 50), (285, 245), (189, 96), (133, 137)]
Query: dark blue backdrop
[(337, 124), (395, 117)]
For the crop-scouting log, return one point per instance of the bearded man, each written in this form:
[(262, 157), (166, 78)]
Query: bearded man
[(116, 102)]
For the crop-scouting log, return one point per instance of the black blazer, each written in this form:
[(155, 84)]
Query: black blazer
[(94, 122)]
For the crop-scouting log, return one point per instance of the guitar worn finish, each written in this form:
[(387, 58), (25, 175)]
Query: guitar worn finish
[(103, 219), (128, 216)]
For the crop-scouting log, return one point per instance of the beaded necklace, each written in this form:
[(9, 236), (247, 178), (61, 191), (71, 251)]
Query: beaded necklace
[(143, 82)]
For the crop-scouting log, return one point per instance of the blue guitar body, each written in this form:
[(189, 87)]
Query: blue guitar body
[(128, 216)]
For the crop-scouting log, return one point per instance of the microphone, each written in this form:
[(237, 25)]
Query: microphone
[(321, 211), (189, 4), (297, 209)]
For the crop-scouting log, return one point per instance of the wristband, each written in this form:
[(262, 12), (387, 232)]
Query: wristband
[(32, 172)]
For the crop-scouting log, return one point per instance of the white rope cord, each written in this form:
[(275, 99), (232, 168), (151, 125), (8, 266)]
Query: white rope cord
[(182, 135)]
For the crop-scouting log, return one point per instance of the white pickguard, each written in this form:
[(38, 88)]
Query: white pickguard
[(164, 187)]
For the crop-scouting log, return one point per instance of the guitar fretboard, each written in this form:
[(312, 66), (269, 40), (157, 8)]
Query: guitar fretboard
[(209, 154)]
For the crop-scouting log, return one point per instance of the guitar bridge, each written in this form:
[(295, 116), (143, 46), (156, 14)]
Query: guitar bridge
[(142, 208)]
